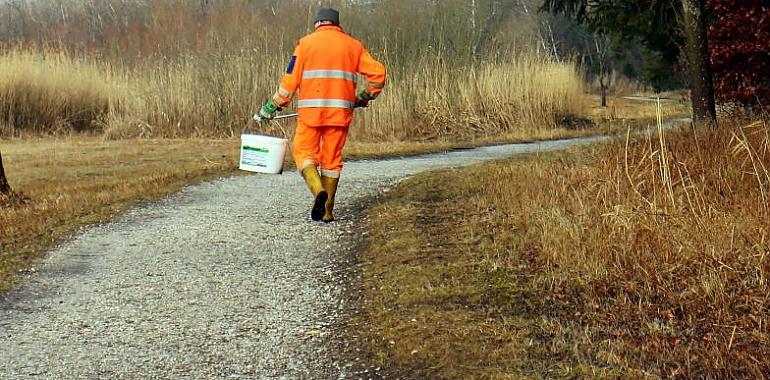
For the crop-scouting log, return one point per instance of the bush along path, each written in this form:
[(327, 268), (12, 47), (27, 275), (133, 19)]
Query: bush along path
[(227, 279)]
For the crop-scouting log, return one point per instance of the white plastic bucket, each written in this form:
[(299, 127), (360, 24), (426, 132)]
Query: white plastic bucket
[(263, 154)]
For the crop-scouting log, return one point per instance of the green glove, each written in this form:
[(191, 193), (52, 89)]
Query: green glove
[(362, 99), (267, 111)]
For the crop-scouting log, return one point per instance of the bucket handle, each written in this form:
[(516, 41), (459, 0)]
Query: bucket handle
[(259, 119)]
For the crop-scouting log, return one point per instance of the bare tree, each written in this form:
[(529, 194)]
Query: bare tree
[(549, 38), (473, 16), (500, 11), (20, 8), (602, 44)]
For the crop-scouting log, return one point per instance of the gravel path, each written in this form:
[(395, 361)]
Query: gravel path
[(227, 279), (653, 99)]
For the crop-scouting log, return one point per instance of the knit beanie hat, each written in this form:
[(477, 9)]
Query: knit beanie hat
[(327, 14)]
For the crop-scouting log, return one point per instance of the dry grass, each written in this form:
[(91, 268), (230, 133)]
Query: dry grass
[(432, 307), (622, 109), (433, 100), (51, 92), (209, 95), (618, 85), (639, 260), (214, 95), (73, 182)]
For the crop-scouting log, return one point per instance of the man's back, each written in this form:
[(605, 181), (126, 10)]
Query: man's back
[(328, 61), (330, 47), (323, 69)]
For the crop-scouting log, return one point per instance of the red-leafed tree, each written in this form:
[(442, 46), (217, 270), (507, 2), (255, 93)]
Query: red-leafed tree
[(739, 35)]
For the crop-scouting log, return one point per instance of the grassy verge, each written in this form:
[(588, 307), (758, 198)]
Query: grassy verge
[(620, 109), (73, 182), (645, 260), (76, 181)]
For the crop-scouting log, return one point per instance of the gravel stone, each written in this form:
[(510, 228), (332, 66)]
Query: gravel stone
[(224, 280)]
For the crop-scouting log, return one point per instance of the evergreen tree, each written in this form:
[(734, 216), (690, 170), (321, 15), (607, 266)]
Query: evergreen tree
[(657, 23)]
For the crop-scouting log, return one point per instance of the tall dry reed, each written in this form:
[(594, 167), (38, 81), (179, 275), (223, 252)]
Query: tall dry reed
[(432, 99), (50, 92), (214, 95), (634, 259), (202, 68), (655, 258)]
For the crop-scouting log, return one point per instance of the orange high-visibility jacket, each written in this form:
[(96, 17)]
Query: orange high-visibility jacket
[(323, 69)]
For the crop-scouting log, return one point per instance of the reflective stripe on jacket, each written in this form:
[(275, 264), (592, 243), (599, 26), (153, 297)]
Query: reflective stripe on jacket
[(323, 70)]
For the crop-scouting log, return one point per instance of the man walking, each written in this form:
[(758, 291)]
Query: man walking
[(323, 69)]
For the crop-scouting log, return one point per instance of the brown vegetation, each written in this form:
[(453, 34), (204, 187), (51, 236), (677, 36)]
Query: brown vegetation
[(201, 69), (621, 110), (112, 70), (214, 97), (638, 259), (66, 183), (72, 182)]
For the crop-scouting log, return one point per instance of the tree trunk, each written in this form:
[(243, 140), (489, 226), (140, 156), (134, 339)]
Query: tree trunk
[(603, 85), (602, 53), (5, 188), (699, 57)]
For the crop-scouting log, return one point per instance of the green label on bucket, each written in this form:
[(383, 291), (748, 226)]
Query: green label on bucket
[(253, 163), (255, 149), (254, 156)]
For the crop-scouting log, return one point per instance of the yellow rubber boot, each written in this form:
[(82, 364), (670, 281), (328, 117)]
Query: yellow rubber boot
[(313, 180), (330, 186)]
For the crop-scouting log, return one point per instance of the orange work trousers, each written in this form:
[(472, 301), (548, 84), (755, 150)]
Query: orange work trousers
[(319, 146)]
